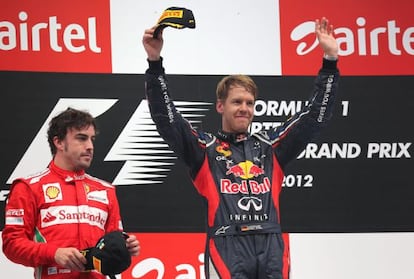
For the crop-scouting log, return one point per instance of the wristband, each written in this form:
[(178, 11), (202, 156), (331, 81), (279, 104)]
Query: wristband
[(330, 58)]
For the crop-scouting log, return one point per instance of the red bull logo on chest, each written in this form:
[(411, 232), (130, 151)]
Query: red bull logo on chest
[(245, 187), (244, 170)]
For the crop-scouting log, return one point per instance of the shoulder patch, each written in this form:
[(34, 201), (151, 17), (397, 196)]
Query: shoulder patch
[(100, 181), (262, 136), (34, 178)]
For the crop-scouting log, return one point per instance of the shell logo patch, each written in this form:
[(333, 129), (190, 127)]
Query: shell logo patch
[(224, 149), (52, 192)]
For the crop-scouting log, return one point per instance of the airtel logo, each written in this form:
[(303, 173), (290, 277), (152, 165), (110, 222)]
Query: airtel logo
[(144, 267), (360, 40), (72, 37)]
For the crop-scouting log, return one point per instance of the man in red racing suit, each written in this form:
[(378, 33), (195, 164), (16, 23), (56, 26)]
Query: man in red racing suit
[(51, 216), (239, 174)]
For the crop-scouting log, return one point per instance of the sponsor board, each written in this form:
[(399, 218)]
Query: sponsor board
[(374, 38), (96, 37), (168, 255), (362, 152), (56, 36)]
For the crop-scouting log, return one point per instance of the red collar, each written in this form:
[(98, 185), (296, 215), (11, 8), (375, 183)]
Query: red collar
[(66, 174)]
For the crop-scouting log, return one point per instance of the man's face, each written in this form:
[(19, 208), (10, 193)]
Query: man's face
[(75, 151), (237, 110)]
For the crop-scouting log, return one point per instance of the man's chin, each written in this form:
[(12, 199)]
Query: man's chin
[(84, 165), (242, 129)]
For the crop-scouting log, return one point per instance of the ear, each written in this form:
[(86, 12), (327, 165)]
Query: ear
[(219, 106), (58, 143)]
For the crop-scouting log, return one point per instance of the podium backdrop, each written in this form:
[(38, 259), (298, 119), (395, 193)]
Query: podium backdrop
[(356, 178)]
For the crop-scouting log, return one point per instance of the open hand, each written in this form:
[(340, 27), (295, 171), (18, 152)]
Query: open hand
[(324, 33)]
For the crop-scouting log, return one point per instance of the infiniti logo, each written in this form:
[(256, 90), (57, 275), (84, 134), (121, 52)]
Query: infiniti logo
[(246, 202)]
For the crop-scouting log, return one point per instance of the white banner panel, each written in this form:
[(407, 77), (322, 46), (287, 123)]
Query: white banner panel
[(356, 256), (314, 256), (230, 37)]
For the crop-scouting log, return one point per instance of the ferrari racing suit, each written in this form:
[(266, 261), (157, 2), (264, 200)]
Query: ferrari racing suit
[(240, 176), (55, 209)]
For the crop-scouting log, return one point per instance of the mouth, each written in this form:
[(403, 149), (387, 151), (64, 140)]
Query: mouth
[(87, 156), (243, 117)]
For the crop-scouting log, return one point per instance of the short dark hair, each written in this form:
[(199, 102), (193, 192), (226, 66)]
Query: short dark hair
[(70, 118), (227, 82)]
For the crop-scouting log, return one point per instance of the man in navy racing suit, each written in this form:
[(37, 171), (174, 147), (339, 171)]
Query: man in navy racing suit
[(244, 237)]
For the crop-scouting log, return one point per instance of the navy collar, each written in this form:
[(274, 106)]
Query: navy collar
[(232, 137)]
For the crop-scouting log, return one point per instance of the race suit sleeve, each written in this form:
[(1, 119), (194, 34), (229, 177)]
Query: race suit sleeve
[(114, 222), (302, 128), (173, 128), (19, 230)]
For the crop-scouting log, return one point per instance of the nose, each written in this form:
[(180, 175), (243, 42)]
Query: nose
[(89, 144), (243, 107)]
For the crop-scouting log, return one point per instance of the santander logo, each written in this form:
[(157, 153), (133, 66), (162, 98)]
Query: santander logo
[(66, 37)]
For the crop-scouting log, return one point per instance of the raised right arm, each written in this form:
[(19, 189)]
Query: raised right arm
[(185, 141)]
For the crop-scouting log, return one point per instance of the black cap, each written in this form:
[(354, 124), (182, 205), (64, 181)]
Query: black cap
[(175, 17), (110, 255)]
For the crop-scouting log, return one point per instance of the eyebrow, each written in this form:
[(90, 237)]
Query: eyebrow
[(84, 135)]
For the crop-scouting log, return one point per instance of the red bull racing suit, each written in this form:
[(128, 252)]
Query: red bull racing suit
[(240, 176), (53, 209)]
